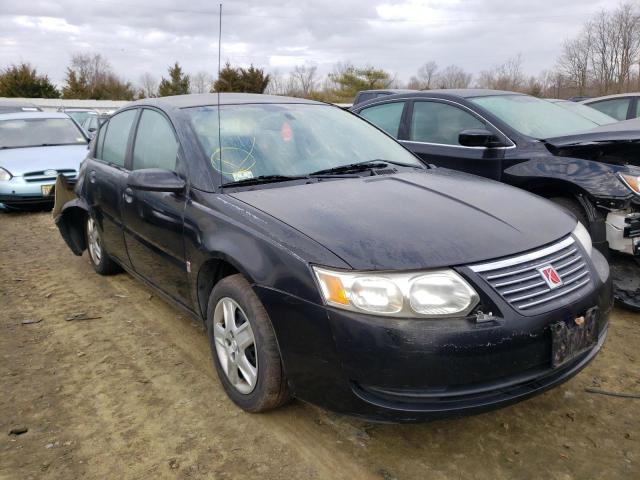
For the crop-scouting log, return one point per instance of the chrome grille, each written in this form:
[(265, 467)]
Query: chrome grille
[(45, 175), (521, 283)]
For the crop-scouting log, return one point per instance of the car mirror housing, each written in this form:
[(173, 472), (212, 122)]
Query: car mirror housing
[(478, 137), (156, 180)]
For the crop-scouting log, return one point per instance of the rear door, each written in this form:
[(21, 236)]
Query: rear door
[(432, 134), (153, 221), (107, 177), (386, 116)]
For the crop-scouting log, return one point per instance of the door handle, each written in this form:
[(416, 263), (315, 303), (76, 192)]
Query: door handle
[(128, 195), (92, 176)]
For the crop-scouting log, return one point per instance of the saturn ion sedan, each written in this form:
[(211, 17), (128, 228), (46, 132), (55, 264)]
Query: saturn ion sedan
[(330, 264), (34, 148)]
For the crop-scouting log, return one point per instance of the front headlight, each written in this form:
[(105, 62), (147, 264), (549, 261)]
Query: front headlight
[(434, 294), (4, 175), (631, 181), (583, 237)]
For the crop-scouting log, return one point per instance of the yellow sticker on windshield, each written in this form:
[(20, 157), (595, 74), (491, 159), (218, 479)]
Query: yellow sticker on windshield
[(242, 175)]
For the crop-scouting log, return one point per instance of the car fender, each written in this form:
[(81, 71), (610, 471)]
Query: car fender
[(575, 176)]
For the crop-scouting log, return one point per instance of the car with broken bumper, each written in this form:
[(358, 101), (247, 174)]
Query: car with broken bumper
[(329, 264)]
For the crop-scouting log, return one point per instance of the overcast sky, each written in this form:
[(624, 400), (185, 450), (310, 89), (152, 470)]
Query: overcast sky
[(147, 35)]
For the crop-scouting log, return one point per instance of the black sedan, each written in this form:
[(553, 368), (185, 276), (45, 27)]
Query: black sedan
[(589, 169), (330, 264)]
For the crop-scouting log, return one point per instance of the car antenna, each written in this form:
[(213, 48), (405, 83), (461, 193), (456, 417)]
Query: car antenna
[(218, 91)]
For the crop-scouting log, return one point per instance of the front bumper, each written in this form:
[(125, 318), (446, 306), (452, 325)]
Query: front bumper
[(412, 370), (623, 231), (19, 191)]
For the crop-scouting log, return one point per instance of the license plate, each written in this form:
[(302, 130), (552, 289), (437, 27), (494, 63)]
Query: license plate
[(46, 190), (571, 339)]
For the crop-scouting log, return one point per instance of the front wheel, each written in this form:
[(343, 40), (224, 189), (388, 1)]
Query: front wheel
[(244, 347), (100, 260)]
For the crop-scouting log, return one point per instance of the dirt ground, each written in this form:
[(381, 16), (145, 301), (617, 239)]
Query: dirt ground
[(133, 394)]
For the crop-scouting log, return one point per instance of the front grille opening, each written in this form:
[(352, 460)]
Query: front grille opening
[(519, 281)]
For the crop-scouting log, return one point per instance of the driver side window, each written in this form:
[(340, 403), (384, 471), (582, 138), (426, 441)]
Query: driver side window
[(441, 123)]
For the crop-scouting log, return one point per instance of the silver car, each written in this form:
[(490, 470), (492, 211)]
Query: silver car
[(34, 148)]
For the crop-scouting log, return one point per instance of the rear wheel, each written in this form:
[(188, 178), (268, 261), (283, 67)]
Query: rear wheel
[(100, 260), (244, 347)]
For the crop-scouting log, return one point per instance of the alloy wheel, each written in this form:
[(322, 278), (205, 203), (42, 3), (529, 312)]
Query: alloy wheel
[(93, 239), (235, 345)]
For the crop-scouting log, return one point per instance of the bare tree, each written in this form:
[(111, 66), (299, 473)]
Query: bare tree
[(201, 82), (148, 86), (304, 79), (507, 76), (453, 77), (575, 60), (627, 22), (425, 78)]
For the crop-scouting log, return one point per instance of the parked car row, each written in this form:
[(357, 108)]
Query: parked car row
[(330, 263)]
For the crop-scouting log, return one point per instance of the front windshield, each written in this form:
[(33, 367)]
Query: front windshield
[(288, 139), (33, 132), (587, 112), (534, 117)]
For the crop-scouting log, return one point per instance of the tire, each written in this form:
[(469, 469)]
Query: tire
[(572, 206), (254, 378), (98, 256)]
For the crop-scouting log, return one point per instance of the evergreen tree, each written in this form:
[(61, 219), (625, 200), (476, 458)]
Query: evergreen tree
[(23, 81), (177, 84)]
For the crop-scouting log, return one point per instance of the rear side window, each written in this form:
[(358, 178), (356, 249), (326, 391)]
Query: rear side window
[(434, 122), (387, 116), (156, 145), (616, 107), (363, 97), (114, 145)]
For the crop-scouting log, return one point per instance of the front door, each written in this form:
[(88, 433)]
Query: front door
[(153, 221), (434, 127)]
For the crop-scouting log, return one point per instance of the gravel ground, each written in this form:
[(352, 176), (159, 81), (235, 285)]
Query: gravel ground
[(130, 392)]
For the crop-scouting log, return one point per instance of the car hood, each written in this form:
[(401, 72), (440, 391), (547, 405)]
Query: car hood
[(19, 161), (625, 131), (415, 220), (617, 143)]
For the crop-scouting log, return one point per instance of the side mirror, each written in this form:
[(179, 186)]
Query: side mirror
[(156, 180), (478, 137)]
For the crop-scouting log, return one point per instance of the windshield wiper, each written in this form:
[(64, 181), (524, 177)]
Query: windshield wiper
[(264, 179), (360, 166)]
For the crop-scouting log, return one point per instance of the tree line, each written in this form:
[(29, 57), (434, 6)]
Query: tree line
[(604, 58)]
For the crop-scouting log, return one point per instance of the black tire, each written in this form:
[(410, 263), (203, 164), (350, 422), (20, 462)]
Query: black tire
[(270, 390), (572, 206), (104, 265)]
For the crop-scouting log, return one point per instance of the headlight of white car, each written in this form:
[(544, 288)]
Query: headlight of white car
[(4, 175), (582, 235), (433, 294)]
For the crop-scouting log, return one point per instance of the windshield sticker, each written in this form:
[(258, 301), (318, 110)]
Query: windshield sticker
[(242, 175), (286, 132)]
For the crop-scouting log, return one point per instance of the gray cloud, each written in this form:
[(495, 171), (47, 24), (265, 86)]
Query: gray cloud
[(146, 36)]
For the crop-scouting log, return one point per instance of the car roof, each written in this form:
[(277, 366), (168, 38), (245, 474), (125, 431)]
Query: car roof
[(204, 99), (9, 102), (394, 90), (607, 97), (28, 115), (440, 93)]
